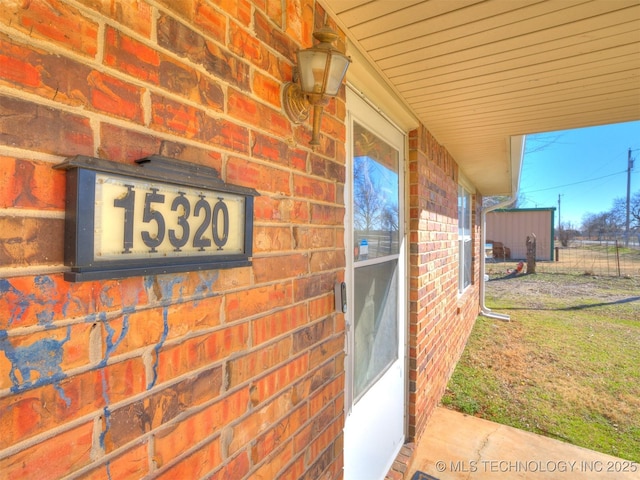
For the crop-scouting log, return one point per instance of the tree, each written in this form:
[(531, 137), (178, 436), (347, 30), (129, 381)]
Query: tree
[(599, 226), (619, 212)]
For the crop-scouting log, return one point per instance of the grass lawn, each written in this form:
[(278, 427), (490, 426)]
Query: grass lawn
[(566, 366)]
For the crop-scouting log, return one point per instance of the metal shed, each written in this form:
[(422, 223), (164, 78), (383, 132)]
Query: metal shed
[(511, 227)]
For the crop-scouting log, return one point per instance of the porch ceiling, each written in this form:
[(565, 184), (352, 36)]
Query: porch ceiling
[(477, 72)]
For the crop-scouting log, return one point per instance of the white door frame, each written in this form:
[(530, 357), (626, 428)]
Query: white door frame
[(368, 116)]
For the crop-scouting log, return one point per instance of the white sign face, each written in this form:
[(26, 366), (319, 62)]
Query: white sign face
[(135, 219)]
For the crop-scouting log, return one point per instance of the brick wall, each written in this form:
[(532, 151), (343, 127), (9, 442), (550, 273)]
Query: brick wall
[(225, 374), (440, 319)]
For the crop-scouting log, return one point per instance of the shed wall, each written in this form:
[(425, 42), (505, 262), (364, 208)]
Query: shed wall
[(511, 228)]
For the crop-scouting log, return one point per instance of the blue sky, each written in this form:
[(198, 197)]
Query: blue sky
[(587, 167)]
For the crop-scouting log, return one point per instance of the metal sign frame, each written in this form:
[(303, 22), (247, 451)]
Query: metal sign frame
[(145, 245)]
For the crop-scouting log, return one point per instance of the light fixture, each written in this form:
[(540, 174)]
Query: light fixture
[(320, 72)]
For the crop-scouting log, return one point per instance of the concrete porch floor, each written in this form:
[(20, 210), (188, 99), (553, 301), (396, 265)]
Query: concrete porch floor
[(457, 446)]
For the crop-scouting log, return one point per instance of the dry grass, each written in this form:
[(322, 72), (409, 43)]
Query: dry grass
[(566, 366)]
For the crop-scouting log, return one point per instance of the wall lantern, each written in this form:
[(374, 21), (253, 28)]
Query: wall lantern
[(320, 72)]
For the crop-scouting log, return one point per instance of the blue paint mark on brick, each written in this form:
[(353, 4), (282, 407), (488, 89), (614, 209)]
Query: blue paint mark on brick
[(42, 358), (105, 298), (48, 293), (18, 300), (63, 395), (111, 345), (206, 284), (165, 332), (106, 412)]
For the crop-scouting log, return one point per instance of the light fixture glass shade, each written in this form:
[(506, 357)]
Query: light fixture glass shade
[(322, 71), (311, 66), (337, 71)]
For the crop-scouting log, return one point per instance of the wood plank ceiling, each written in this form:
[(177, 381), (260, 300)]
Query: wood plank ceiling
[(477, 72)]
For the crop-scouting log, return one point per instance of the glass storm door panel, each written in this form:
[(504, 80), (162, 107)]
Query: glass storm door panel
[(375, 362)]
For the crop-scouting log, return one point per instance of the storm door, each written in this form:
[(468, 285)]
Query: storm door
[(375, 361)]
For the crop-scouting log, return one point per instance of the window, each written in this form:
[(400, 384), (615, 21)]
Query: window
[(464, 238)]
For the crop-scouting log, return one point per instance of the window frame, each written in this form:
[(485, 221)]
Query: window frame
[(465, 239)]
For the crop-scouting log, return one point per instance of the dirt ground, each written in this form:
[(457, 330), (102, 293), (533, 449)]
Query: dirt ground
[(503, 284)]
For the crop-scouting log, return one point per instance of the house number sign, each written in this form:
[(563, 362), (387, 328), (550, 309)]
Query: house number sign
[(160, 216)]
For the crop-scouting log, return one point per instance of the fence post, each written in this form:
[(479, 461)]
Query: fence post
[(531, 253)]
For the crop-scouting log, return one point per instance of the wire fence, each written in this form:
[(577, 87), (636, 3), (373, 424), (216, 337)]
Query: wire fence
[(588, 257)]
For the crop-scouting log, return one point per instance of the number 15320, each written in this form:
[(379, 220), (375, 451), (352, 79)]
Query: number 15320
[(136, 219)]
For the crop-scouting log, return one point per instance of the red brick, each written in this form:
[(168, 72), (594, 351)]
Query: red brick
[(245, 45), (197, 352), (327, 169), (53, 20), (254, 175), (131, 56), (240, 10), (333, 127), (271, 239), (37, 410), (36, 127), (121, 145), (131, 421), (326, 260), (187, 43), (176, 439), (321, 466), (299, 20), (277, 151), (326, 351), (267, 208), (325, 439), (241, 369), (326, 214), (251, 302), (324, 390), (313, 286), (173, 117), (186, 318), (26, 301), (274, 37), (132, 331), (122, 380), (76, 349), (312, 334), (196, 465), (229, 135), (213, 23), (191, 84), (321, 307), (133, 14), (45, 299), (31, 241), (110, 95), (295, 470), (279, 380), (247, 110), (278, 459), (272, 326), (238, 467), (258, 422), (308, 238), (30, 184), (269, 269), (52, 458), (314, 188), (17, 69), (269, 148), (133, 463)]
